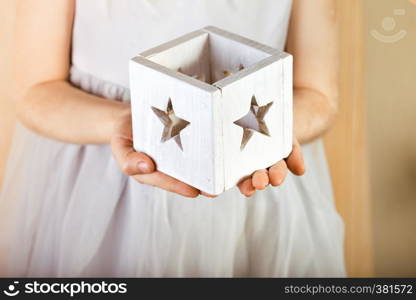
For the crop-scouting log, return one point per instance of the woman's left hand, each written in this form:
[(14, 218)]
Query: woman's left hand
[(274, 175)]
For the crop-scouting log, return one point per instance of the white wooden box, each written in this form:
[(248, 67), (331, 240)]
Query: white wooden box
[(206, 128)]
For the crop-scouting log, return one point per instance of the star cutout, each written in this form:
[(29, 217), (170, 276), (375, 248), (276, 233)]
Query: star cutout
[(173, 124), (253, 121)]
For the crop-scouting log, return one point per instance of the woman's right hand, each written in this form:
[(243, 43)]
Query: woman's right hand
[(140, 166)]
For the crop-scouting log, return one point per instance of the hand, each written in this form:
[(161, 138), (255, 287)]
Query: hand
[(275, 175), (140, 166)]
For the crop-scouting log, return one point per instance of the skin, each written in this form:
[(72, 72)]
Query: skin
[(46, 101)]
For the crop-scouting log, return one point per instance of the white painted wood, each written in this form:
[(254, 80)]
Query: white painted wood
[(211, 158), (261, 151), (198, 162), (189, 53)]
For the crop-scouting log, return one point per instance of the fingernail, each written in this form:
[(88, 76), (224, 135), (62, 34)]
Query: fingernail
[(143, 167)]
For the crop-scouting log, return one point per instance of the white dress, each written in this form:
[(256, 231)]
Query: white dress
[(71, 212)]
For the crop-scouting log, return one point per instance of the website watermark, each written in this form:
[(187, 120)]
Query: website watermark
[(373, 289), (64, 288), (390, 33)]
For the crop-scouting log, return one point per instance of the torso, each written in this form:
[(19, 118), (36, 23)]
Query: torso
[(108, 33)]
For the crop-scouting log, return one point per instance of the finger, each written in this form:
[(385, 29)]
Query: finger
[(168, 183), (260, 179), (130, 161), (208, 195), (246, 187), (277, 173), (295, 161)]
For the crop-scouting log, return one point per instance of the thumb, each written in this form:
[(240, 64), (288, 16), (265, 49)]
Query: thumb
[(130, 161)]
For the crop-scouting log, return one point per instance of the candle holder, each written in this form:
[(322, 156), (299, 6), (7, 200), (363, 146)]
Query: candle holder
[(211, 107)]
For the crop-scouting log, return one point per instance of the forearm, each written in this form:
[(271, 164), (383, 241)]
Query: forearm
[(63, 112), (314, 113), (312, 40)]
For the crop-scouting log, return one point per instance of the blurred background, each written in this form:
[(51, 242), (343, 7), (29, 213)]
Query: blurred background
[(372, 147)]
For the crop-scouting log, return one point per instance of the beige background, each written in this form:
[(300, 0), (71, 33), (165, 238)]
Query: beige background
[(391, 91), (6, 107), (377, 87), (7, 114)]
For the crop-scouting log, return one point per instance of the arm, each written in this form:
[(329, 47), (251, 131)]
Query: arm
[(312, 42), (49, 105)]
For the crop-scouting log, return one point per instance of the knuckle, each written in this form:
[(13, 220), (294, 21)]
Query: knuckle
[(125, 169), (139, 180)]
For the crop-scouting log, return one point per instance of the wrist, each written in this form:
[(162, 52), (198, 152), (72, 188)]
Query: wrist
[(119, 112)]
